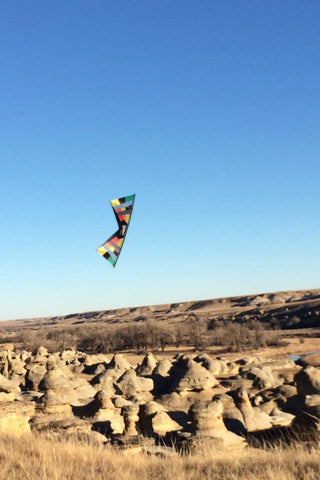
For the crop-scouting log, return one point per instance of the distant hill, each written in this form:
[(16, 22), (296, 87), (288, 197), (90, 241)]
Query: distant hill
[(290, 309)]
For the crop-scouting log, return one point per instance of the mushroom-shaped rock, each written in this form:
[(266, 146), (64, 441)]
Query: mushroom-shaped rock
[(207, 422), (308, 381), (58, 395), (103, 401), (188, 375), (154, 418), (147, 366), (107, 418), (129, 384), (162, 424), (35, 373), (39, 356), (130, 414)]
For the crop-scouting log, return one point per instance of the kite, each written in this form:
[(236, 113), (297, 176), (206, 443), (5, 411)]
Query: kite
[(111, 248)]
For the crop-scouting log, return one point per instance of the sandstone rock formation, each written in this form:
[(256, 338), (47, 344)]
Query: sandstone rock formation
[(130, 384), (188, 375), (58, 394), (207, 422), (107, 418), (308, 381), (148, 365), (15, 417), (176, 400)]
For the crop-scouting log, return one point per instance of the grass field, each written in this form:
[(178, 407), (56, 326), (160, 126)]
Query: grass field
[(33, 457)]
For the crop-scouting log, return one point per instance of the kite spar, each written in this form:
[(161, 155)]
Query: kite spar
[(111, 248)]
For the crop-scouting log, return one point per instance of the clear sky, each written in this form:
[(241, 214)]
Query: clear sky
[(207, 110)]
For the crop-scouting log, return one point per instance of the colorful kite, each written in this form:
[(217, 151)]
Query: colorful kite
[(122, 208)]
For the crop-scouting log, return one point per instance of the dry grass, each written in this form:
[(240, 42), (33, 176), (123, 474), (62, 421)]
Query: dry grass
[(31, 458)]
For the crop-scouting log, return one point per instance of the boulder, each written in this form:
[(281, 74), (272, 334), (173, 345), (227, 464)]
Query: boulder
[(286, 391), (312, 405), (253, 418), (5, 357), (84, 392), (281, 419), (308, 381), (163, 367), (147, 366), (9, 386), (60, 427), (41, 352), (68, 356), (155, 419), (15, 416), (118, 366), (129, 384), (263, 377), (232, 416), (310, 360), (8, 397), (90, 360), (250, 360), (217, 366), (104, 381)]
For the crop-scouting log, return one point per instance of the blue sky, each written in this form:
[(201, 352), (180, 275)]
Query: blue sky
[(207, 110)]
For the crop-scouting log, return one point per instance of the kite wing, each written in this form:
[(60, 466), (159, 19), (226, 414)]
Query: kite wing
[(111, 248)]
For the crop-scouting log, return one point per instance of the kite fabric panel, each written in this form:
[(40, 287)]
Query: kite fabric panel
[(111, 248)]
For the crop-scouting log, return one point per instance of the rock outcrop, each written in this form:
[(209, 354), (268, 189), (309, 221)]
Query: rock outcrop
[(15, 417), (180, 401)]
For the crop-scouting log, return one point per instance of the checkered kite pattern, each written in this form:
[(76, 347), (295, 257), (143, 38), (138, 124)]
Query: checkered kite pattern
[(111, 248)]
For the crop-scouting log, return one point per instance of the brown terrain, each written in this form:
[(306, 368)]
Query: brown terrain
[(272, 308), (213, 394)]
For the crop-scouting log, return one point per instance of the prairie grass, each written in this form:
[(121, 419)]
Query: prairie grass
[(39, 458)]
